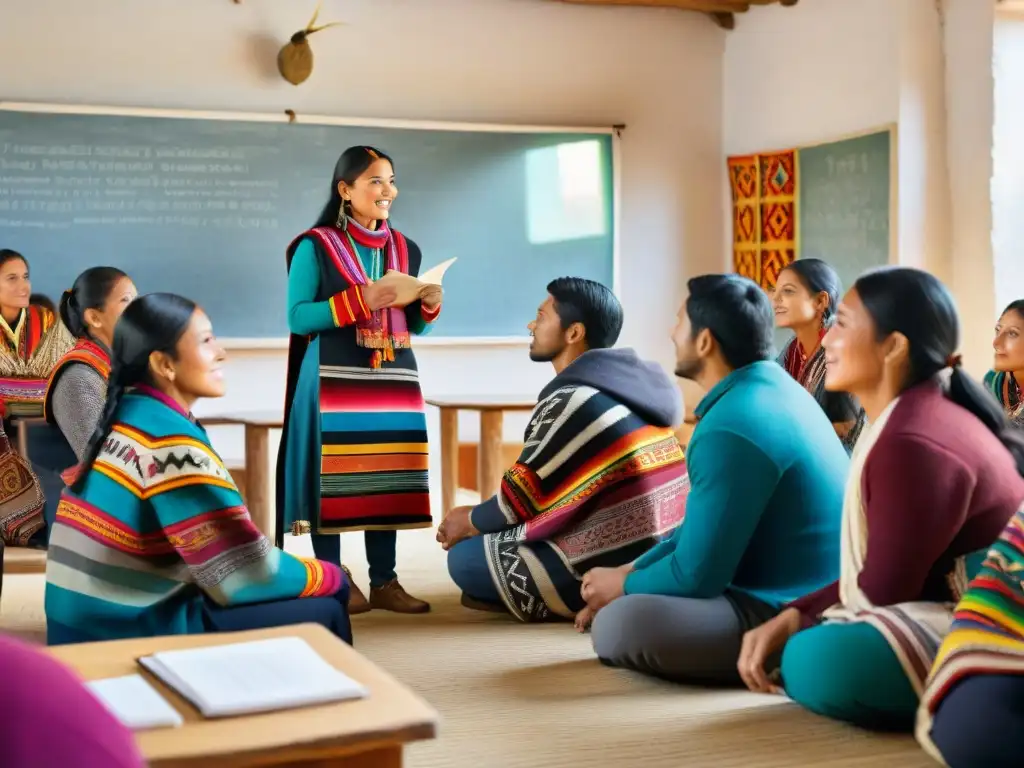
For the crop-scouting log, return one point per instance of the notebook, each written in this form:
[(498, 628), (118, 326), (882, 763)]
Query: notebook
[(410, 288), (135, 702), (252, 677)]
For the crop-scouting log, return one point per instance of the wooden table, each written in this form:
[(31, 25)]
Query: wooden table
[(369, 733), (492, 417), (257, 460)]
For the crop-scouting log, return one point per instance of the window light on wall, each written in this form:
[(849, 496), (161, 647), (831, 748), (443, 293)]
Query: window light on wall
[(565, 192)]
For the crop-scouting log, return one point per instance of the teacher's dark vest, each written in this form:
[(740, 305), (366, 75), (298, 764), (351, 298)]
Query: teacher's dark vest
[(338, 345)]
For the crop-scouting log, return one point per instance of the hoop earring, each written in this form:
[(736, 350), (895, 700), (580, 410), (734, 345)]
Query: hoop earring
[(342, 221)]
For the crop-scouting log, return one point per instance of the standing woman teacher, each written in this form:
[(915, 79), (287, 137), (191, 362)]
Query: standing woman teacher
[(353, 455)]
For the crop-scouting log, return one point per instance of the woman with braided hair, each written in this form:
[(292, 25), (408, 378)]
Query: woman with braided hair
[(152, 536)]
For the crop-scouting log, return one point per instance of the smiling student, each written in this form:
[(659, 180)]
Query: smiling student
[(152, 537), (806, 296), (933, 480), (1004, 380), (31, 339), (78, 384)]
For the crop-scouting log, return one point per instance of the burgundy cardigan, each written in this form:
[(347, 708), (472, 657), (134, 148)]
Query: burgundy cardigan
[(938, 484)]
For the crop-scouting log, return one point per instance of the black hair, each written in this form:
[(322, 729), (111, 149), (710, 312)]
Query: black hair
[(91, 290), (42, 300), (594, 306), (817, 277), (737, 312), (1014, 306), (6, 254), (350, 166), (916, 304), (152, 323)]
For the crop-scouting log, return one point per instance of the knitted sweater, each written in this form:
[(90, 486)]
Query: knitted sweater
[(158, 527), (766, 495), (78, 400)]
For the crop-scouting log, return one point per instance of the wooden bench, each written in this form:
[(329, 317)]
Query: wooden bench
[(369, 733), (24, 560)]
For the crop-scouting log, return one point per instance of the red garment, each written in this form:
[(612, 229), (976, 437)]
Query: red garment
[(937, 485), (797, 357)]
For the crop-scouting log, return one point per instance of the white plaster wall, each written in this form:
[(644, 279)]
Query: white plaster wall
[(923, 186), (970, 115), (1008, 165), (824, 69)]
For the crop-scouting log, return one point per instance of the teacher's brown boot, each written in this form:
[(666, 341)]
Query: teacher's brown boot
[(357, 602), (392, 597)]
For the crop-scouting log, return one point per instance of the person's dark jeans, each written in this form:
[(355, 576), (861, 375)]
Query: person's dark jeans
[(330, 612), (380, 553)]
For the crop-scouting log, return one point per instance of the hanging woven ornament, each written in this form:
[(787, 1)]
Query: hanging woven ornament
[(295, 60)]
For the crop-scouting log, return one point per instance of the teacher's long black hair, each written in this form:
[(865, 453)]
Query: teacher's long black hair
[(350, 166), (152, 323)]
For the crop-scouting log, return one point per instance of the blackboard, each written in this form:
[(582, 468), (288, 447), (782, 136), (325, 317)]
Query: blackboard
[(845, 203), (205, 207)]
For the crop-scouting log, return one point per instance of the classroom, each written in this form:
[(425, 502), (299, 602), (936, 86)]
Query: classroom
[(676, 93)]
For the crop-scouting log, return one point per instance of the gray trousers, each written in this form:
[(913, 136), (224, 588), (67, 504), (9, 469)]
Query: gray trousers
[(678, 638)]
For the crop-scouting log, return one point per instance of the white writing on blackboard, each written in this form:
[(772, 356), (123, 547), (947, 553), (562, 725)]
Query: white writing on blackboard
[(58, 186), (844, 215)]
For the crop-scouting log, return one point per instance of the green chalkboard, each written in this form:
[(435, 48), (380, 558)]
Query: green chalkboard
[(206, 207), (845, 192)]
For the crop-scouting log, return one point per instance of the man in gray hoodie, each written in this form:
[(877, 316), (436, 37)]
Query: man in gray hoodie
[(601, 477)]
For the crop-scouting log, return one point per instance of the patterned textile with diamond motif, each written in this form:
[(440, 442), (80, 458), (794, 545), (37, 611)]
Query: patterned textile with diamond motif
[(764, 197), (745, 185)]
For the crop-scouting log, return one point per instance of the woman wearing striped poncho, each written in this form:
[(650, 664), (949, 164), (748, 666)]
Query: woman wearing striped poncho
[(152, 537), (972, 712)]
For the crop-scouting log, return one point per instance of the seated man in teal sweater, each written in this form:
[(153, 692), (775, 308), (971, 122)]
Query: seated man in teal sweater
[(763, 514)]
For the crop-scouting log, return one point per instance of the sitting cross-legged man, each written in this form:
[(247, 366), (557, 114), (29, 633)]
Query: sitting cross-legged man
[(766, 472), (601, 476)]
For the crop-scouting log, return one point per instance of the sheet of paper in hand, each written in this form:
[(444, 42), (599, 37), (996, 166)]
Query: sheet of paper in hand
[(410, 288)]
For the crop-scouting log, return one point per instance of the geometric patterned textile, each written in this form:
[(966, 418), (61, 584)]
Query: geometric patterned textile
[(764, 214)]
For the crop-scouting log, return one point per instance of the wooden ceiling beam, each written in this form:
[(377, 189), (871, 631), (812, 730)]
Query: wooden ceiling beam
[(705, 6), (724, 20), (722, 12)]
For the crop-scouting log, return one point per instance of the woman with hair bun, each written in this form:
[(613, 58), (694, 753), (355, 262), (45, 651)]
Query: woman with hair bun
[(934, 479), (77, 387)]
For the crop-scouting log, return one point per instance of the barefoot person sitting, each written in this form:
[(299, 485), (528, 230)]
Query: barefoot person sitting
[(600, 478)]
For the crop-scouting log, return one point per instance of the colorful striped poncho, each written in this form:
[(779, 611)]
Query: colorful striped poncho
[(601, 478), (28, 352), (157, 528), (987, 636)]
